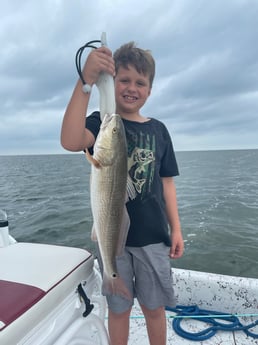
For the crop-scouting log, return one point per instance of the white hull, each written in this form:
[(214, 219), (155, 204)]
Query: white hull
[(215, 292), (40, 303)]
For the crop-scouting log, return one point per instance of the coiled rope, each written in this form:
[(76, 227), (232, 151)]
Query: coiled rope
[(211, 317)]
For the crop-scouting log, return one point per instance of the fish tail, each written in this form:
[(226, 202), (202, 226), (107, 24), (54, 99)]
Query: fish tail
[(116, 286)]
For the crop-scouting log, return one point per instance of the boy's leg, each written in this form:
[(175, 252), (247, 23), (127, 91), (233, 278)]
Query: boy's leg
[(118, 326), (156, 325), (120, 308), (154, 288)]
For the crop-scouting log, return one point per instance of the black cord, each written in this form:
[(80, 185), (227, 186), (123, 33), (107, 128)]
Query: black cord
[(78, 57)]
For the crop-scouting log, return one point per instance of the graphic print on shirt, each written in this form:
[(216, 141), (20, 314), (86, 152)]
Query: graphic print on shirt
[(141, 158)]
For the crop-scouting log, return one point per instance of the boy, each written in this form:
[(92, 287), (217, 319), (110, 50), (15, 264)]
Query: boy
[(145, 265)]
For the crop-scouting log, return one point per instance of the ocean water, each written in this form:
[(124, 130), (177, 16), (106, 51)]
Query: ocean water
[(47, 201)]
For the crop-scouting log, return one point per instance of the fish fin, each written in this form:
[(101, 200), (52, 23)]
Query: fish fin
[(94, 237), (123, 232), (130, 190), (115, 286), (92, 160)]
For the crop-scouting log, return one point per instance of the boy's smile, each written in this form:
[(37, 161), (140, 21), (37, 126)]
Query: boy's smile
[(130, 98), (132, 90)]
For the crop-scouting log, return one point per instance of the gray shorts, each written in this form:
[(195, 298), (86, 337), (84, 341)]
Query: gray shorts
[(147, 274)]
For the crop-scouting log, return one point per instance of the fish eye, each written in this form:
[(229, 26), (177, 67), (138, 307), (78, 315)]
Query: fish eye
[(114, 130)]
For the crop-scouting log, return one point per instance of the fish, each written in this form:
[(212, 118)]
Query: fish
[(108, 195)]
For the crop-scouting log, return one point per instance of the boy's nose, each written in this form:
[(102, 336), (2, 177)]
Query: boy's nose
[(131, 87)]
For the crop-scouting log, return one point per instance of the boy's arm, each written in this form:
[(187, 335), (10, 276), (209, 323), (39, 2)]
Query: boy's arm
[(169, 191), (74, 135)]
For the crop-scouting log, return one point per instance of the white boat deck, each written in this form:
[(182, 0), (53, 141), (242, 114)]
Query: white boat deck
[(224, 294), (138, 333)]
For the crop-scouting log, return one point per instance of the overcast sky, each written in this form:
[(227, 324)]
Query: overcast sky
[(206, 52)]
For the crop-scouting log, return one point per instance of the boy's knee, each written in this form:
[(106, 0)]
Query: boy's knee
[(119, 316)]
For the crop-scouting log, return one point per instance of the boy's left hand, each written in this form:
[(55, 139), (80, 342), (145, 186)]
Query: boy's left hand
[(177, 248)]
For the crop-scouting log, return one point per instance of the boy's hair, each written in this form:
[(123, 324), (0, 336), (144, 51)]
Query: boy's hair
[(141, 60)]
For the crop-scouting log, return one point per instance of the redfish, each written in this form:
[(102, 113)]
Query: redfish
[(108, 192)]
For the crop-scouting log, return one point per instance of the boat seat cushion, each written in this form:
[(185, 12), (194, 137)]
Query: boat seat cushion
[(30, 271), (15, 299)]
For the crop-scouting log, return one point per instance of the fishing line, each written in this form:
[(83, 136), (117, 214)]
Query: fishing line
[(198, 316), (213, 318), (86, 88)]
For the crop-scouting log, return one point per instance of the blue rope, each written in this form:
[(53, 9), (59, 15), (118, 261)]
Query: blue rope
[(194, 312)]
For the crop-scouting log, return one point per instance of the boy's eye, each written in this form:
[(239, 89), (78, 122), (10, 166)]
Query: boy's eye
[(140, 83)]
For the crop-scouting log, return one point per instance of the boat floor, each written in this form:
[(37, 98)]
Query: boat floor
[(138, 332)]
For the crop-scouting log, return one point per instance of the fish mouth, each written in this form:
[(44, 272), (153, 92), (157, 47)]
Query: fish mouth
[(107, 119)]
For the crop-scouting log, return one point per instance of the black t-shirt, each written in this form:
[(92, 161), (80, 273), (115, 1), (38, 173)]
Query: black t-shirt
[(150, 157)]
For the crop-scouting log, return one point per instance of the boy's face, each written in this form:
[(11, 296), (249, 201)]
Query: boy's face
[(132, 90)]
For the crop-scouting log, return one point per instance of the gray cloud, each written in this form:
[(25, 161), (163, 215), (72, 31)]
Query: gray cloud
[(206, 84)]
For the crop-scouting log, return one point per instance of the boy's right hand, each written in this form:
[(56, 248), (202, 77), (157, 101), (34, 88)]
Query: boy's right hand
[(99, 60)]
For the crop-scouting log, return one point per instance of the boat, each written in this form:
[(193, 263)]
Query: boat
[(205, 301), (51, 295), (47, 294)]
